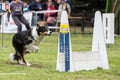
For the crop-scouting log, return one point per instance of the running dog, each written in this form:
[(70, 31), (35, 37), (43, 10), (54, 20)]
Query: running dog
[(27, 41)]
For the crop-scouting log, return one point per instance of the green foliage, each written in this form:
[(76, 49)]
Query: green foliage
[(44, 62)]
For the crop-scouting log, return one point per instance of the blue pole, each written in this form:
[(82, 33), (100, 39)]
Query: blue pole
[(62, 43), (67, 52)]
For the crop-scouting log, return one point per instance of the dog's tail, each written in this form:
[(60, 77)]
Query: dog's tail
[(11, 56)]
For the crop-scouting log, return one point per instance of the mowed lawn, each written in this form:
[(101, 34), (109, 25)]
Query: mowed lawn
[(44, 62)]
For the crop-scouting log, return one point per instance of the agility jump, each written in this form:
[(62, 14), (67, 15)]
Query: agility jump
[(75, 61)]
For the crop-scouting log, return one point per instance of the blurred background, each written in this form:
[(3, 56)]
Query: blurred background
[(87, 8)]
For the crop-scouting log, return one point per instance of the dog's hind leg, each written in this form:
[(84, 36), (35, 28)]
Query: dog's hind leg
[(17, 57)]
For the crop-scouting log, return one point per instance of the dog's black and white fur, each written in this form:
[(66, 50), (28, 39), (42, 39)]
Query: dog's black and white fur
[(27, 41)]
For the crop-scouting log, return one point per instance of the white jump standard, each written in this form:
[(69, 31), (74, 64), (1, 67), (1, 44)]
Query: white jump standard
[(75, 61), (108, 24), (64, 58)]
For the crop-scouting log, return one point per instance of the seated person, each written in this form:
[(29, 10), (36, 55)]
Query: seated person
[(50, 17)]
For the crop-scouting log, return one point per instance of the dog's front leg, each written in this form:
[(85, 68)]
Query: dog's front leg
[(27, 64)]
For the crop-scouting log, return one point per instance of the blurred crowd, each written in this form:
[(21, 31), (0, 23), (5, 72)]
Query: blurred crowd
[(51, 18)]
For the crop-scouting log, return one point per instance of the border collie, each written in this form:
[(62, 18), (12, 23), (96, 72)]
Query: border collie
[(28, 41)]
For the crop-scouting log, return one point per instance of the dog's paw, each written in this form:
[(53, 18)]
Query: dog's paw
[(28, 64), (11, 56)]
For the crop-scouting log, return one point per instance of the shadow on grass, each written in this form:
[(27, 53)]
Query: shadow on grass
[(35, 65)]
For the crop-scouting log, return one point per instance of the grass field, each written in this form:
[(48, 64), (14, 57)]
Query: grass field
[(44, 62)]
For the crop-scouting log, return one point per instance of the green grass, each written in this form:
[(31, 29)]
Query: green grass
[(44, 62)]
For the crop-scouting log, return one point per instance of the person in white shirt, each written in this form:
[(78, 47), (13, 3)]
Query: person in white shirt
[(63, 6)]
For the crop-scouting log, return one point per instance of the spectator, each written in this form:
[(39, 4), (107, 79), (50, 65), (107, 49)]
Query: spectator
[(26, 7), (55, 3), (36, 5), (69, 2), (16, 8), (50, 6), (64, 6), (1, 10), (50, 17)]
